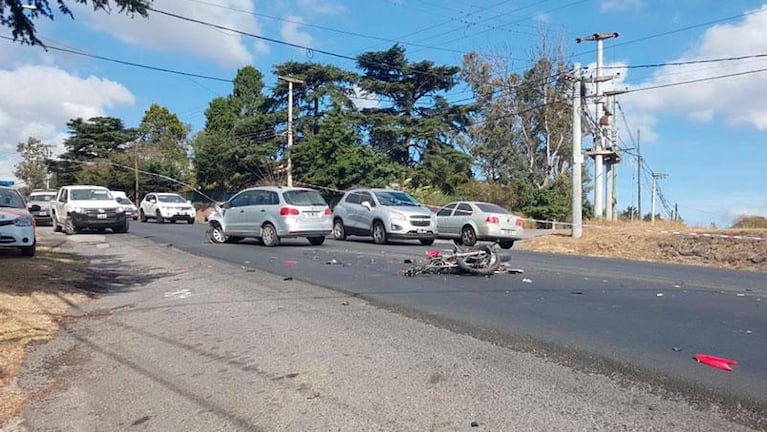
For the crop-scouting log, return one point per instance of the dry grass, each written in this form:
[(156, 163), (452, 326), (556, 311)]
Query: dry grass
[(34, 294)]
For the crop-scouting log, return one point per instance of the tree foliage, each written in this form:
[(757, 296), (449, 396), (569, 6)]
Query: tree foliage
[(32, 169), (161, 150), (20, 15)]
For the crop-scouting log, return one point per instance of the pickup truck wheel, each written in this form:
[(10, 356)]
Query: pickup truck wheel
[(269, 235), (141, 215), (55, 223), (158, 217), (69, 227), (121, 228)]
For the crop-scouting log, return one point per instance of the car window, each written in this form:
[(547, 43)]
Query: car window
[(463, 210), (240, 200), (447, 210), (11, 198), (365, 196), (395, 198), (492, 208), (149, 197), (64, 195), (91, 195), (264, 197), (305, 197), (353, 198), (170, 199)]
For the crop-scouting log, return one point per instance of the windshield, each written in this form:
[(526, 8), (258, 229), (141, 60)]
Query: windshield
[(91, 195), (42, 197), (395, 198), (171, 199), (304, 197), (124, 201), (11, 198), (492, 208)]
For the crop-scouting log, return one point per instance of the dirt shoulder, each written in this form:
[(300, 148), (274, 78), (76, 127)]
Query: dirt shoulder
[(669, 243)]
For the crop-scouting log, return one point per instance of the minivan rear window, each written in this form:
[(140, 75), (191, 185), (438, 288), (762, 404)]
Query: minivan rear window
[(304, 198)]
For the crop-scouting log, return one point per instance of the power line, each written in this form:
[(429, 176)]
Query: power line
[(698, 80), (689, 62), (129, 63)]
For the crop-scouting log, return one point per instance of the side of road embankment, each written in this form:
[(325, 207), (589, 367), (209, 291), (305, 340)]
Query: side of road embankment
[(173, 341)]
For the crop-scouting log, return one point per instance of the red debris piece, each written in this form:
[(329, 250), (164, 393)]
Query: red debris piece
[(717, 362), (290, 262), (433, 253)]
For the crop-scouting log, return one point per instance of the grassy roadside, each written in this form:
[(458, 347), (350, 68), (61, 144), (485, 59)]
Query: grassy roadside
[(34, 294)]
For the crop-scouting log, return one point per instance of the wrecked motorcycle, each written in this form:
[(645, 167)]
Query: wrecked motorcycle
[(483, 260)]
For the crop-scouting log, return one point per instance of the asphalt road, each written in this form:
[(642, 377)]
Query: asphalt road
[(642, 321)]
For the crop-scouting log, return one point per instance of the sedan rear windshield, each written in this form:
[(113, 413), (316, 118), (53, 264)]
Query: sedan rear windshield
[(304, 198), (492, 208)]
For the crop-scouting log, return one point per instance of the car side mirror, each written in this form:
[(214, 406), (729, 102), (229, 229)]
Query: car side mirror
[(367, 205), (226, 205)]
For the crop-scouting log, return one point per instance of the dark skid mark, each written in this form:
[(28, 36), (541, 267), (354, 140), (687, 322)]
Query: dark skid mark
[(142, 420)]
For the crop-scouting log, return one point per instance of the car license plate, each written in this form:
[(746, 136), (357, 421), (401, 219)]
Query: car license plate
[(421, 231), (43, 213), (101, 216)]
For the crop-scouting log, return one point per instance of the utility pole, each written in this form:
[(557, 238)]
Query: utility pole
[(655, 177), (135, 170), (639, 179), (577, 198), (599, 146), (290, 81), (611, 157)]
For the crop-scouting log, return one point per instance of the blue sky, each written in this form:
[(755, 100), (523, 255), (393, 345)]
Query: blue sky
[(707, 136)]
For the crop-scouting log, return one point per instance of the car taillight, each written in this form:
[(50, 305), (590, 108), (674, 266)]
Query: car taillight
[(327, 211), (519, 222), (289, 211), (492, 219)]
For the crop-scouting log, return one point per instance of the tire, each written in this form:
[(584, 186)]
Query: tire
[(101, 230), (28, 251), (141, 215), (316, 241), (468, 236), (379, 232), (506, 244), (216, 234), (158, 217), (120, 229), (484, 264), (269, 235), (190, 221), (339, 230), (69, 227), (56, 226), (427, 242)]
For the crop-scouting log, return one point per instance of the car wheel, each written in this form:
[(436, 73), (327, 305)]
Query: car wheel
[(427, 242), (339, 231), (190, 221), (158, 217), (216, 234), (316, 241), (101, 230), (468, 236), (69, 227), (506, 244), (121, 228), (55, 223), (379, 232), (28, 251), (269, 235), (141, 215)]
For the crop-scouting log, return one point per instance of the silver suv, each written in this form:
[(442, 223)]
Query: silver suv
[(270, 213), (383, 214)]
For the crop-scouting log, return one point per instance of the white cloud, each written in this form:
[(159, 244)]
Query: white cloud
[(39, 100), (163, 33), (363, 99), (323, 7), (620, 5), (542, 17), (738, 99), (292, 34)]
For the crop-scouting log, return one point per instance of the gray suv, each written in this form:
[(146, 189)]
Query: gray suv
[(383, 214)]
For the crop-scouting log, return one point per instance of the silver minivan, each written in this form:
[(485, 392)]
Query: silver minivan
[(383, 214), (271, 213)]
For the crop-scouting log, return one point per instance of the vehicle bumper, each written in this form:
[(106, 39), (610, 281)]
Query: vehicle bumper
[(15, 236), (501, 234), (411, 235), (80, 220), (42, 219), (175, 215)]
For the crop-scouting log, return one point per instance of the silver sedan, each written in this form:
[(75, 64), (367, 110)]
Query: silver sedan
[(466, 222)]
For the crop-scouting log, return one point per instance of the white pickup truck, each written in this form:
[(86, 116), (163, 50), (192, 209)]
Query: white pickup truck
[(82, 207)]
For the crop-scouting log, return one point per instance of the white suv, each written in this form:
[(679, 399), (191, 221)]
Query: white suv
[(166, 207), (383, 214)]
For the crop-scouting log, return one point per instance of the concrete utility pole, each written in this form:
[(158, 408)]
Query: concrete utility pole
[(599, 147), (655, 177), (612, 157), (577, 209), (639, 179), (290, 81)]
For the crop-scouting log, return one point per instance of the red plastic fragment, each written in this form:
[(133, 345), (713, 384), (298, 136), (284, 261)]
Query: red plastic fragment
[(717, 362), (433, 253)]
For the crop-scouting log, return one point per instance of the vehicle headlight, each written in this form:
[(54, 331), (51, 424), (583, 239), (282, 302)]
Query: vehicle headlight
[(23, 221), (119, 210), (398, 217), (75, 210)]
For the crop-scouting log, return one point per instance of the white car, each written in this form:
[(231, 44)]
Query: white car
[(17, 226), (165, 206), (130, 209)]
